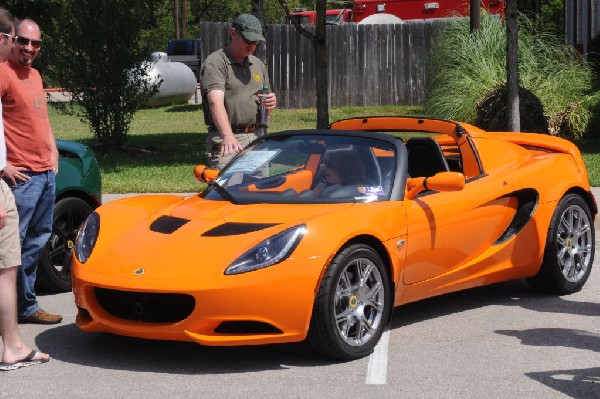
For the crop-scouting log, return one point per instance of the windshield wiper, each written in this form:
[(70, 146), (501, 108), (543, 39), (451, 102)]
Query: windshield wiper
[(223, 192)]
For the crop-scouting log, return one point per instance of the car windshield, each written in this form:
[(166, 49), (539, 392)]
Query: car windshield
[(309, 169)]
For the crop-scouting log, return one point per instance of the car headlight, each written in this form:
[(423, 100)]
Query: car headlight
[(269, 252), (86, 237)]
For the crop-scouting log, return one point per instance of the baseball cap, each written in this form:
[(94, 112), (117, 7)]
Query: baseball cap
[(249, 26)]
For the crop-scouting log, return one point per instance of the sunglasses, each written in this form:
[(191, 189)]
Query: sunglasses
[(248, 41), (12, 38), (23, 41)]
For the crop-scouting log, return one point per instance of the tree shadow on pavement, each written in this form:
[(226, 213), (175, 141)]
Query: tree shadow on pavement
[(583, 383)]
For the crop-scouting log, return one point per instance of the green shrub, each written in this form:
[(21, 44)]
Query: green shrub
[(465, 68), (492, 111)]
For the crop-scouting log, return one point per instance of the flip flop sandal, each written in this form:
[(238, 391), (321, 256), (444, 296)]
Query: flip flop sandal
[(27, 361)]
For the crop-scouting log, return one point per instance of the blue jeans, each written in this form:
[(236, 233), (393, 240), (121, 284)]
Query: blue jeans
[(35, 205)]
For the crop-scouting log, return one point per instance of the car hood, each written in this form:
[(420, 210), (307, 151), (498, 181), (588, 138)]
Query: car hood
[(181, 239)]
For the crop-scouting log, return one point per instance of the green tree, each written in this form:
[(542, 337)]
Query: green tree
[(41, 12), (319, 42), (467, 71), (547, 15), (97, 57)]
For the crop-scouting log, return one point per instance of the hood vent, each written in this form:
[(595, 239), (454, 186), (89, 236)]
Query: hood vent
[(167, 224), (233, 229)]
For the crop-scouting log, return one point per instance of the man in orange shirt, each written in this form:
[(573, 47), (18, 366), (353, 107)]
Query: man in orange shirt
[(32, 162), (15, 353)]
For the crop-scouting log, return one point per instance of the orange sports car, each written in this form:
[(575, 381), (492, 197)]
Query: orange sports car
[(317, 235)]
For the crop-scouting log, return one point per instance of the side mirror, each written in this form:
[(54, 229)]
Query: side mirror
[(205, 175), (443, 181)]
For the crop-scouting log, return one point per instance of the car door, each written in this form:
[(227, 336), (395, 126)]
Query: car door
[(448, 229)]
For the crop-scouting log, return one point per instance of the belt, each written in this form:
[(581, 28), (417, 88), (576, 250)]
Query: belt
[(245, 129)]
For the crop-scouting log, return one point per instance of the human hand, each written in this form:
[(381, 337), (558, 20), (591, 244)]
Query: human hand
[(270, 100), (230, 145), (54, 159), (15, 173)]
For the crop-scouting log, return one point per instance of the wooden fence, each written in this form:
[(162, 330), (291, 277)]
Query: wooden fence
[(367, 64)]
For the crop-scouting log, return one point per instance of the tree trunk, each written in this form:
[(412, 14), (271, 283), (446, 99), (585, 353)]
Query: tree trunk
[(258, 12), (475, 12), (537, 10), (320, 45), (183, 19), (512, 66), (176, 18)]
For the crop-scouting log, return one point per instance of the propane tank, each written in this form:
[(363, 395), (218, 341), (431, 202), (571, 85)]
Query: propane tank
[(381, 19), (178, 81)]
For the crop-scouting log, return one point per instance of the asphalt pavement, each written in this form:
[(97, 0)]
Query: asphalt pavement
[(500, 341)]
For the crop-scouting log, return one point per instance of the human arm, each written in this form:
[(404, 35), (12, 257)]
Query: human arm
[(216, 101), (53, 152)]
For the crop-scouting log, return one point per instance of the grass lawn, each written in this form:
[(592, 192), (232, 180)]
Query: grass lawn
[(165, 143)]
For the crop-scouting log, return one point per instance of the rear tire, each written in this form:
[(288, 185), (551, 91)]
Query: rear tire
[(54, 266), (353, 305), (570, 248)]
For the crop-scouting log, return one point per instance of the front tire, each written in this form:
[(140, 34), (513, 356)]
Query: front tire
[(570, 248), (352, 306), (54, 266)]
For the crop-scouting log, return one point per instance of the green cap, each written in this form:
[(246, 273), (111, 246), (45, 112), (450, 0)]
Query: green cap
[(249, 26)]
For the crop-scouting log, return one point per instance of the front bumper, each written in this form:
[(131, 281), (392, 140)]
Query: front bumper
[(270, 305)]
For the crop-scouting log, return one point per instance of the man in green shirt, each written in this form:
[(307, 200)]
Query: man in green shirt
[(231, 78)]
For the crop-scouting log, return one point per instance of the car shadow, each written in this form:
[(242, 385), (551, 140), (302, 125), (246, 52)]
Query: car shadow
[(509, 293), (67, 343)]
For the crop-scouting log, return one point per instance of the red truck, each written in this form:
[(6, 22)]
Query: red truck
[(305, 17), (403, 9)]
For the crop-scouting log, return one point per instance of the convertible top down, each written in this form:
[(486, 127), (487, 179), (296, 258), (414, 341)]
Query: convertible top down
[(318, 234)]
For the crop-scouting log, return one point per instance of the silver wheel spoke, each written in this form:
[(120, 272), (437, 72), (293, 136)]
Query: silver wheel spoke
[(562, 242), (364, 274), (344, 316), (569, 266), (372, 294), (343, 292), (378, 306), (566, 222), (365, 329), (349, 324), (562, 253)]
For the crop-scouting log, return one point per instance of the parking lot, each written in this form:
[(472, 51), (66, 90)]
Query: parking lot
[(501, 341)]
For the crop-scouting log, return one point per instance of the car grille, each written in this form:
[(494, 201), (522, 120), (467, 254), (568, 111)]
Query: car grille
[(146, 307)]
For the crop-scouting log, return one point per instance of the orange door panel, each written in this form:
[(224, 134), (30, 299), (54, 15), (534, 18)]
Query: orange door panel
[(447, 229)]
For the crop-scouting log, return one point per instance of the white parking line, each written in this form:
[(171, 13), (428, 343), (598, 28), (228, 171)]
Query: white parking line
[(377, 370)]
